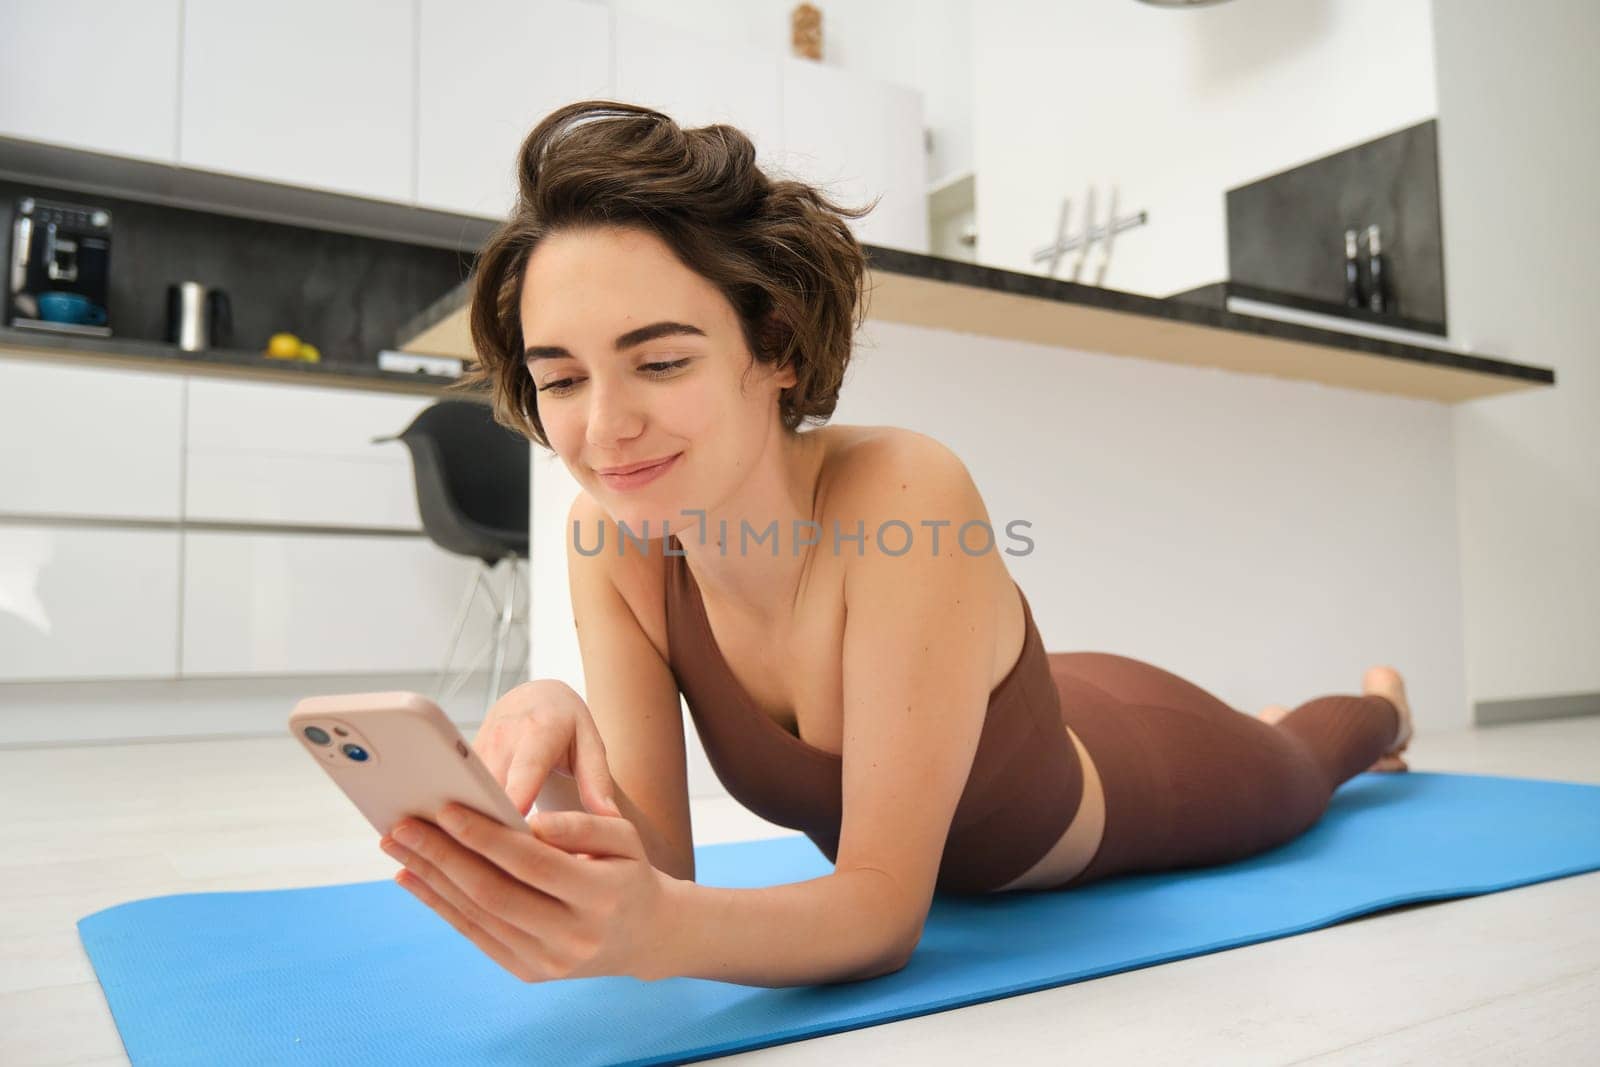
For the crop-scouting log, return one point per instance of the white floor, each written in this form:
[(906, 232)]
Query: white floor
[(1508, 977)]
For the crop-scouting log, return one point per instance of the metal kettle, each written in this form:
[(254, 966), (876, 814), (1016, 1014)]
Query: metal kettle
[(198, 317)]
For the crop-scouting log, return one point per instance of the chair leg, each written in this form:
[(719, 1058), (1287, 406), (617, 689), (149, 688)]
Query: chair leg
[(485, 583), (505, 628), (460, 625)]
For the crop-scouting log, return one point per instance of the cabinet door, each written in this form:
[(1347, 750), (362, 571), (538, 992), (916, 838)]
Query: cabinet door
[(858, 138), (258, 603), (315, 93), (699, 82), (489, 70), (297, 454), (89, 441), (82, 602), (91, 75)]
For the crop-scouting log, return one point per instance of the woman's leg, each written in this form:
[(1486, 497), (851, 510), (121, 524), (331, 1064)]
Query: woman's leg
[(1189, 781), (1134, 681), (1346, 734), (1380, 681)]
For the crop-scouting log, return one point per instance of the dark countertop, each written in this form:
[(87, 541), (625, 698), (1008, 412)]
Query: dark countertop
[(1217, 293), (156, 355), (895, 265)]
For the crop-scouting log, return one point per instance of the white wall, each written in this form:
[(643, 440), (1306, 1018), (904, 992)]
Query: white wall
[(924, 44), (1519, 148), (1175, 107), (1267, 540)]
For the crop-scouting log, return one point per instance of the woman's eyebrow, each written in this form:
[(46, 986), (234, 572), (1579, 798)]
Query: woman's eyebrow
[(628, 340)]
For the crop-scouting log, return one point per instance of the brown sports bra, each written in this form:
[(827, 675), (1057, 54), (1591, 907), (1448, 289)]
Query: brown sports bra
[(1023, 789)]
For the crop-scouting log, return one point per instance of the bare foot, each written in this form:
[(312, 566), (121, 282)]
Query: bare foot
[(1386, 682), (1272, 713)]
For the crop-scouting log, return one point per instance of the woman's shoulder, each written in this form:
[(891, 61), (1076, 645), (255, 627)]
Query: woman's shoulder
[(893, 485), (638, 574), (869, 461)]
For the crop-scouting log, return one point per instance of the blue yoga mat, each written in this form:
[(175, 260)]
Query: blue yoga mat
[(366, 974)]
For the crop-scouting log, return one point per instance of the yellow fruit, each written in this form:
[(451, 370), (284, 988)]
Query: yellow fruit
[(310, 354), (283, 346)]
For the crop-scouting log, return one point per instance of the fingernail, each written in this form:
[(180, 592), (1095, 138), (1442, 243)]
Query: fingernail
[(408, 834), (611, 802)]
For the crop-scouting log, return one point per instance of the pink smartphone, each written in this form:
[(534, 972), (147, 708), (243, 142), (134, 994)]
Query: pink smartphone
[(397, 754)]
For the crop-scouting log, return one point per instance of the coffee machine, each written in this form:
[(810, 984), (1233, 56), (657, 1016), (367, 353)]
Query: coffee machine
[(60, 268)]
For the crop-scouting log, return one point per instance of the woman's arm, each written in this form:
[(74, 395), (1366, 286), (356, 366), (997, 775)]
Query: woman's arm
[(578, 898), (836, 928), (918, 654)]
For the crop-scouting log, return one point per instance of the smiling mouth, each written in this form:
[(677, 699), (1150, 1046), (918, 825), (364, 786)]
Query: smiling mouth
[(619, 471)]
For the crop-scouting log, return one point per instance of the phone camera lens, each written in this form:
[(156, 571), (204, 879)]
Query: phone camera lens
[(317, 734), (355, 752)]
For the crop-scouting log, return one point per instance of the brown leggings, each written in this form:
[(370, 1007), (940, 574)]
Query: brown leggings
[(1192, 782)]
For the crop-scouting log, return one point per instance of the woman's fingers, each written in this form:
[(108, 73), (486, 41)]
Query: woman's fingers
[(572, 831), (500, 736), (491, 946), (491, 747), (539, 745), (516, 912), (539, 728), (554, 864), (592, 772)]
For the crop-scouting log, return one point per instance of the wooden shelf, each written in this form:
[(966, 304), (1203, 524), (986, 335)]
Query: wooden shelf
[(929, 291)]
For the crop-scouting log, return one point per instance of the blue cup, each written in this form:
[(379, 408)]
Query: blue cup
[(70, 307)]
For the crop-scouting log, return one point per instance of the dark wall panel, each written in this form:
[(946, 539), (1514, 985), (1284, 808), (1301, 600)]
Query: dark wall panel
[(1286, 232), (345, 294)]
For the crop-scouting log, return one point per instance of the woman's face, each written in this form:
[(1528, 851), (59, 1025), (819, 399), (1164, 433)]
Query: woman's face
[(637, 358)]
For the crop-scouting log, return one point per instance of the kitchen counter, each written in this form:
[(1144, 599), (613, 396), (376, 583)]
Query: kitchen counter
[(1221, 294), (920, 290), (221, 362)]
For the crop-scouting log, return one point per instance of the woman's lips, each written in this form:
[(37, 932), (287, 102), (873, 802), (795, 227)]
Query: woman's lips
[(635, 479)]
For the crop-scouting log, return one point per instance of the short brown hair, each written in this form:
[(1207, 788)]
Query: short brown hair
[(779, 250)]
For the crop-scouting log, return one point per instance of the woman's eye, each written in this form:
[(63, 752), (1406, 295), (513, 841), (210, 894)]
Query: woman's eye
[(661, 368), (561, 386)]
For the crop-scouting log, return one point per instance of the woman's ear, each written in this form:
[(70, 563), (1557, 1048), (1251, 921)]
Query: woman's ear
[(774, 335)]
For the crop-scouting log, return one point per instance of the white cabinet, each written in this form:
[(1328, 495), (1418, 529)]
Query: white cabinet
[(257, 603), (81, 602), (699, 82), (859, 138), (89, 74), (97, 460), (297, 454), (315, 93), (428, 101), (489, 70), (89, 441)]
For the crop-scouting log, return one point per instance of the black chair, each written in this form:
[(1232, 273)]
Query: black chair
[(472, 493)]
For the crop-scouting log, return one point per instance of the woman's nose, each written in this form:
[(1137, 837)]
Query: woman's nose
[(613, 415)]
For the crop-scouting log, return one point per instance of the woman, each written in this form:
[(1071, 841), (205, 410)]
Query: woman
[(664, 317)]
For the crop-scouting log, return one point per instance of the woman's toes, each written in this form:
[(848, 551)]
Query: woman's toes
[(1380, 680), (1272, 713), (1386, 682)]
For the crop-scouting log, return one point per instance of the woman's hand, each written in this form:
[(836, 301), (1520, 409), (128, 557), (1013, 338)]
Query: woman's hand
[(540, 727), (576, 898)]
